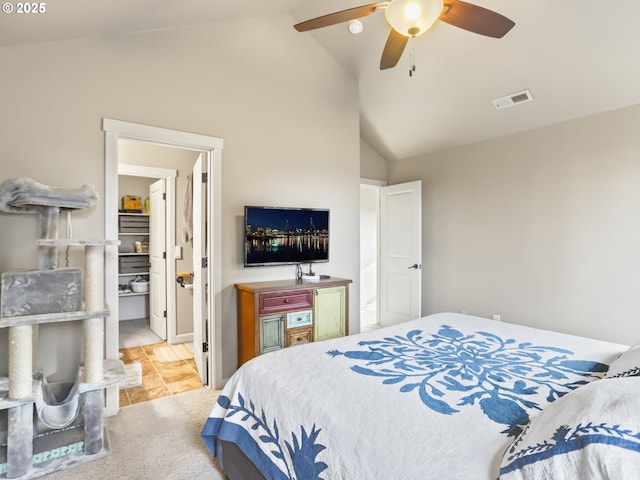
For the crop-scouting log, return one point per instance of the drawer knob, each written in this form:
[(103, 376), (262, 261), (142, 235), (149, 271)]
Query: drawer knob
[(286, 300)]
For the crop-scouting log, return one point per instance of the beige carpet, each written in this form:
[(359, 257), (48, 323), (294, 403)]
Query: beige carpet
[(173, 353), (155, 440)]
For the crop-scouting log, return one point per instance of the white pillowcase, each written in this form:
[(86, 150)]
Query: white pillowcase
[(627, 364), (591, 433)]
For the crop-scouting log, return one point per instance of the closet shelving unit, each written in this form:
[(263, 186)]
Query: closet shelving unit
[(132, 227)]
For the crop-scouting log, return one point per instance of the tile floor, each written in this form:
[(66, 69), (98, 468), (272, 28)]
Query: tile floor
[(136, 332), (158, 379)]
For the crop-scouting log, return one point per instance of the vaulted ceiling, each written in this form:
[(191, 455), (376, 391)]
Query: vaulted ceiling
[(576, 57)]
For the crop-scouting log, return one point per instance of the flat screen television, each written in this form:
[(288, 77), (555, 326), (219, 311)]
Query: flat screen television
[(282, 235)]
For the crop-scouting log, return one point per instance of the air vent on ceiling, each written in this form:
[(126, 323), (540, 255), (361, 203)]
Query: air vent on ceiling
[(513, 99)]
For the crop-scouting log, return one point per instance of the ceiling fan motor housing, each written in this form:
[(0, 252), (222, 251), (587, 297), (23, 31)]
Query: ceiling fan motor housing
[(413, 17)]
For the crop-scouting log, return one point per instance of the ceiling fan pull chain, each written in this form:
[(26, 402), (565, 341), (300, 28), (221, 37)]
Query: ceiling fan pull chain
[(412, 65)]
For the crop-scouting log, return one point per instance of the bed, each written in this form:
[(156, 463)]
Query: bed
[(445, 396)]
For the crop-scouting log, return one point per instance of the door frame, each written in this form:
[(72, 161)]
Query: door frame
[(374, 185), (211, 148)]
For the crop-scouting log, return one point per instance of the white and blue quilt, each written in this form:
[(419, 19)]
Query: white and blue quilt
[(443, 396)]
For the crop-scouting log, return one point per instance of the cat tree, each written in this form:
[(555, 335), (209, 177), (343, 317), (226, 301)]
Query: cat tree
[(49, 295)]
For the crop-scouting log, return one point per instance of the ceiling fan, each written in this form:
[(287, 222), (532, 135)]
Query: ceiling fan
[(410, 18)]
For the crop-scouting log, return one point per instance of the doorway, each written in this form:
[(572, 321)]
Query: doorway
[(156, 322), (158, 311), (390, 253), (210, 148), (369, 253)]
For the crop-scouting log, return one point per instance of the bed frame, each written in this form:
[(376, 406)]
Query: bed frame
[(237, 465)]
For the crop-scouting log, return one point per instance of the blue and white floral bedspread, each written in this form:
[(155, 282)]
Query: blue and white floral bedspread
[(438, 397)]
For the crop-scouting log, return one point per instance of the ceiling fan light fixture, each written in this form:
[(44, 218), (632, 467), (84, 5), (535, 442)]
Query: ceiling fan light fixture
[(413, 17)]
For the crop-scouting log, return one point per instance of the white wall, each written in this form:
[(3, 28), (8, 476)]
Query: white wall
[(369, 208), (541, 227), (372, 165), (287, 112)]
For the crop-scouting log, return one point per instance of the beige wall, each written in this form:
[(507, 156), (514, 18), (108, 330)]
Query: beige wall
[(287, 112), (540, 227), (372, 165)]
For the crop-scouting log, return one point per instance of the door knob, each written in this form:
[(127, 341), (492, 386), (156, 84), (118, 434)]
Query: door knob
[(416, 266)]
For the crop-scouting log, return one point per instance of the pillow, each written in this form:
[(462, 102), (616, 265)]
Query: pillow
[(627, 364), (592, 432)]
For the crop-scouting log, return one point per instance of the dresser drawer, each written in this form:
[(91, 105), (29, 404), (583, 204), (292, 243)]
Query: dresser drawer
[(299, 319), (299, 336), (285, 301)]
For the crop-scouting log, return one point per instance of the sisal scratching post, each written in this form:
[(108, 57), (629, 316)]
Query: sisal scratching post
[(94, 327), (94, 349), (20, 360), (20, 433)]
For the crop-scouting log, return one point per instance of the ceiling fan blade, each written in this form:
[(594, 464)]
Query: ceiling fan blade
[(475, 19), (339, 17), (393, 49)]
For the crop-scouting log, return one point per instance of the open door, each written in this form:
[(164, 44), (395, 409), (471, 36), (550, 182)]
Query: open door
[(157, 259), (400, 252), (200, 269)]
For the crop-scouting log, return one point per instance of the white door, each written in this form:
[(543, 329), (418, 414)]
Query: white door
[(400, 252), (157, 259), (200, 272)]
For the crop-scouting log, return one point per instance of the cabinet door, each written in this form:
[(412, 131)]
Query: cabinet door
[(329, 313), (271, 333)]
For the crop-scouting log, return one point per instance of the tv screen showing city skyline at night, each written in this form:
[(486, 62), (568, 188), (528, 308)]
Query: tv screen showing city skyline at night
[(283, 235)]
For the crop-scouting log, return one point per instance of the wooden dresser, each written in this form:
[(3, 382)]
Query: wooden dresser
[(283, 313)]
